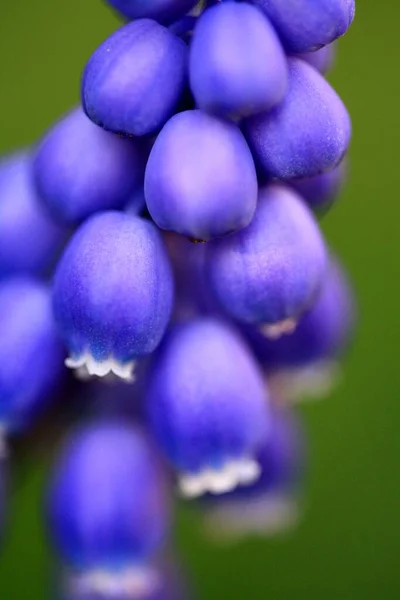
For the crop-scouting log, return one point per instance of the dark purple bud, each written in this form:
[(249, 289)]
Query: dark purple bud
[(208, 407), (237, 64), (200, 179), (29, 238), (269, 273), (81, 169), (307, 134), (113, 293), (134, 80), (31, 353), (108, 510), (306, 25)]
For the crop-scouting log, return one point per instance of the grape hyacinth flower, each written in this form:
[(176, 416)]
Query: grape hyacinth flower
[(208, 407), (200, 179), (134, 80), (305, 363), (109, 543), (322, 59), (163, 11), (307, 134), (271, 505), (237, 65), (269, 273), (81, 169), (113, 293), (306, 25), (193, 295), (321, 191), (29, 239), (31, 353)]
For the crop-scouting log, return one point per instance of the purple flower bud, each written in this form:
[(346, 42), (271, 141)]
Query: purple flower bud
[(270, 272), (271, 504), (307, 134), (134, 80), (113, 293), (108, 509), (305, 360), (193, 295), (29, 239), (306, 25), (207, 407), (81, 169), (322, 59), (31, 354), (200, 179), (164, 11), (237, 64), (321, 191)]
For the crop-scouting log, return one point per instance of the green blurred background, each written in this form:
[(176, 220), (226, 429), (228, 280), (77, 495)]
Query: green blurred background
[(348, 543)]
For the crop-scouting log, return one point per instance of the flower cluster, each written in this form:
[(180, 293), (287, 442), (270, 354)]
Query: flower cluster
[(161, 242)]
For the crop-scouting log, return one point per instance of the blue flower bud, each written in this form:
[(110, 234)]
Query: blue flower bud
[(81, 169), (113, 293), (164, 11), (322, 59), (271, 504), (237, 64), (193, 294), (108, 509), (31, 353), (306, 25), (270, 272), (304, 362), (134, 80), (29, 239), (207, 407), (307, 134), (321, 191), (200, 178)]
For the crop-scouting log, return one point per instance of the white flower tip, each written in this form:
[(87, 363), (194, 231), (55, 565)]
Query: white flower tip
[(86, 367), (130, 583), (266, 515), (311, 382), (274, 331), (232, 475)]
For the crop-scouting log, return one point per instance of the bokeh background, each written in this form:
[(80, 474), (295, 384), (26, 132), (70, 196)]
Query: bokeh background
[(348, 543)]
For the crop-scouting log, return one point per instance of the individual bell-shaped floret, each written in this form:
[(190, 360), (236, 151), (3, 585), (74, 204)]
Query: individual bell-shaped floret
[(108, 511), (237, 64), (80, 169), (200, 179), (321, 191), (193, 296), (307, 134), (272, 504), (269, 273), (208, 407), (306, 363), (134, 80), (322, 59), (164, 11), (113, 293), (306, 25), (31, 353), (29, 238)]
